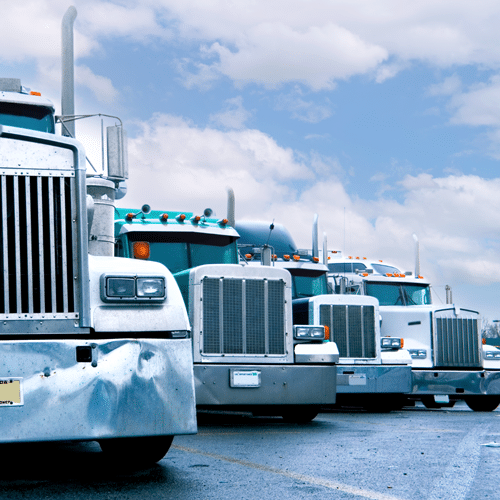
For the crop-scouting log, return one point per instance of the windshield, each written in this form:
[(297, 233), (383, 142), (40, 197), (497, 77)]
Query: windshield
[(308, 283), (180, 251), (398, 294), (346, 267), (27, 116)]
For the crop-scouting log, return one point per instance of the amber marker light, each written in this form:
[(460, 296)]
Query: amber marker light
[(327, 332), (286, 257), (141, 250), (35, 93), (315, 259), (248, 256), (181, 217), (274, 257), (484, 341), (296, 257), (164, 217), (130, 216)]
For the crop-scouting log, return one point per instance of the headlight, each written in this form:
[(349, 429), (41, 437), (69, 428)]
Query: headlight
[(391, 343), (132, 288), (150, 287), (418, 353), (306, 332), (492, 355)]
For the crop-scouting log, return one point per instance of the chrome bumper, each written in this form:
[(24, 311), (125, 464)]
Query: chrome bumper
[(357, 379), (223, 385), (129, 388), (478, 382)]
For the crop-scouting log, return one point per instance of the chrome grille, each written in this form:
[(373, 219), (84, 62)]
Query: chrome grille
[(37, 259), (457, 339), (243, 316), (352, 328)]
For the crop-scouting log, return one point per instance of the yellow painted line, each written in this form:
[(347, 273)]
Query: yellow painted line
[(332, 485)]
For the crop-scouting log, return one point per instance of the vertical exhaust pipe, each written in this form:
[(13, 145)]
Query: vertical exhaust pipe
[(230, 207), (68, 72), (315, 244), (417, 256), (325, 250)]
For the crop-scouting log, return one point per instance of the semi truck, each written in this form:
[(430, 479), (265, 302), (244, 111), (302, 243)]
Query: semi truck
[(94, 348), (449, 360), (374, 372), (248, 354)]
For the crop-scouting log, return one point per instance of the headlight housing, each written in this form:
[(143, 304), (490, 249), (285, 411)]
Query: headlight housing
[(492, 355), (418, 353), (121, 288), (309, 332), (392, 343)]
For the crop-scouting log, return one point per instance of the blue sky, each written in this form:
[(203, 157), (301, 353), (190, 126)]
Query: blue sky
[(382, 117)]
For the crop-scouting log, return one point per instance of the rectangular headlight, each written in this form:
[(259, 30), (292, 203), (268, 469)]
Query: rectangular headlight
[(151, 287), (391, 343), (307, 332), (120, 287), (418, 353), (492, 355)]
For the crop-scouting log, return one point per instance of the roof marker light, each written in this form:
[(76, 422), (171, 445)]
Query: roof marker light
[(164, 217), (130, 216), (222, 222), (296, 257), (390, 275), (195, 219), (35, 93), (286, 257), (248, 256), (315, 259), (274, 256), (180, 218)]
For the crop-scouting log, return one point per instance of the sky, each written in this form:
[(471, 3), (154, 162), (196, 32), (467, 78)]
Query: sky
[(381, 117)]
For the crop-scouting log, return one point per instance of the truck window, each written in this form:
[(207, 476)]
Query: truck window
[(183, 250), (27, 116), (308, 283), (384, 269), (346, 267), (396, 294)]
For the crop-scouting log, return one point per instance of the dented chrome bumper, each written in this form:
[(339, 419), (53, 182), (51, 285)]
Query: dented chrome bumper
[(111, 388)]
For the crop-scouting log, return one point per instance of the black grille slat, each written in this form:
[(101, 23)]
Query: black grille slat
[(37, 238), (352, 328), (457, 342), (243, 316)]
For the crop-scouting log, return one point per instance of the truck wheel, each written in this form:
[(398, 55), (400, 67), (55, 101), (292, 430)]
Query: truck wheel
[(299, 416), (482, 403), (138, 450)]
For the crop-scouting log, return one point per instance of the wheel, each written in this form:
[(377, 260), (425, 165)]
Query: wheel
[(300, 415), (137, 451), (482, 403)]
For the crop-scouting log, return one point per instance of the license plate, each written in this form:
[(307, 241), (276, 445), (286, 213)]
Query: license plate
[(357, 379), (245, 378), (11, 392)]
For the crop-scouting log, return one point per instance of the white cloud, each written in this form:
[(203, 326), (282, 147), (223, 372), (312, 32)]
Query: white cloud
[(101, 86), (307, 111), (234, 116)]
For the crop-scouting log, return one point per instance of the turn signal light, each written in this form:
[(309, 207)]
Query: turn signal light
[(141, 250), (327, 332)]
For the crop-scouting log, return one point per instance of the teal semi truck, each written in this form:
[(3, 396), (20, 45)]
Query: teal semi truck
[(248, 354)]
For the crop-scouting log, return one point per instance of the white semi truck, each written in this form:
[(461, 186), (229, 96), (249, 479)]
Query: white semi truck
[(449, 360), (373, 372), (94, 348), (248, 353)]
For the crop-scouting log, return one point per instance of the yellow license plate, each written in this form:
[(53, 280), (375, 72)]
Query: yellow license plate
[(11, 392)]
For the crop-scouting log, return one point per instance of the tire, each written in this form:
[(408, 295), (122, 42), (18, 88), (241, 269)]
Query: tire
[(300, 416), (137, 451), (482, 403)]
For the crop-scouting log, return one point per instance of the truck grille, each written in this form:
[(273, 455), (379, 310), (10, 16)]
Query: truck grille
[(243, 316), (36, 237), (457, 339), (352, 328)]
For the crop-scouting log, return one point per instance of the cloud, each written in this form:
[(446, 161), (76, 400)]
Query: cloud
[(234, 116), (307, 111)]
